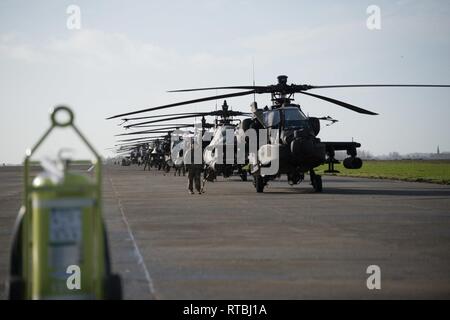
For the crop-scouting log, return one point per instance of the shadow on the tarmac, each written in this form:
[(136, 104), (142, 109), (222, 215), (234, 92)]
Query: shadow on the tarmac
[(418, 192), (429, 192)]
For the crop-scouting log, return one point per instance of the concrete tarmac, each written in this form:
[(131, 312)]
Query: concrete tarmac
[(287, 243)]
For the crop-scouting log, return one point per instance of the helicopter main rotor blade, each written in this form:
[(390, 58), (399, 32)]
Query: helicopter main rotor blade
[(173, 125), (145, 132), (141, 132), (341, 103), (221, 88), (281, 87), (149, 138), (230, 95), (161, 127), (140, 140), (381, 86), (299, 88), (201, 114), (158, 116), (135, 143), (166, 119), (134, 139)]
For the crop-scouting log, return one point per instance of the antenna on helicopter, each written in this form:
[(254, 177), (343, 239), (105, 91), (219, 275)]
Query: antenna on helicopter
[(215, 118), (253, 66)]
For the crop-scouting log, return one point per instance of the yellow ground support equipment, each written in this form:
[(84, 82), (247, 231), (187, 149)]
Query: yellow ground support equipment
[(60, 248)]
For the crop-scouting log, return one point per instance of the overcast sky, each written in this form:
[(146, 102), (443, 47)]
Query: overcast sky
[(128, 53)]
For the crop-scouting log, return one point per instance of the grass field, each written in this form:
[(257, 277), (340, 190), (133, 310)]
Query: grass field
[(436, 171)]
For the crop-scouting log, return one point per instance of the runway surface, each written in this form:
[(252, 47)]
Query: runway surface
[(288, 243)]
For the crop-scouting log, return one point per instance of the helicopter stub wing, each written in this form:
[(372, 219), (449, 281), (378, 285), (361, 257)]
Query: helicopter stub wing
[(350, 147)]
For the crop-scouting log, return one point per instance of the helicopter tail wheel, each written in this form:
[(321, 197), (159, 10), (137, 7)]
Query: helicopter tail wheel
[(259, 184)]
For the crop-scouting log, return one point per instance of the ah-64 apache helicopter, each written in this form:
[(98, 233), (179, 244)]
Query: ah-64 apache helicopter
[(153, 151), (215, 160), (292, 140)]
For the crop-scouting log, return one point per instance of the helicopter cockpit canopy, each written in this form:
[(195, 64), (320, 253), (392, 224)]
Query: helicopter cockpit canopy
[(294, 118), (290, 116), (272, 118)]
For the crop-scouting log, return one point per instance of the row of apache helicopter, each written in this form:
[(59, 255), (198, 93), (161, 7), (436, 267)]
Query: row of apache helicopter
[(168, 151), (289, 137)]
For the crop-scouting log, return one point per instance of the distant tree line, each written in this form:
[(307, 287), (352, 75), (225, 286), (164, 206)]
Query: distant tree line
[(367, 155)]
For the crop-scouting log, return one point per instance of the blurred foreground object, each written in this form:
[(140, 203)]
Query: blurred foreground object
[(59, 248)]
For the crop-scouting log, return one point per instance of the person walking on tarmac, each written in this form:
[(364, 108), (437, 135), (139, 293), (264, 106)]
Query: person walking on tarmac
[(194, 164)]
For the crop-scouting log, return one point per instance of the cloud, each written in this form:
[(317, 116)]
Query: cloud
[(106, 50), (97, 49), (11, 48), (423, 23), (304, 42)]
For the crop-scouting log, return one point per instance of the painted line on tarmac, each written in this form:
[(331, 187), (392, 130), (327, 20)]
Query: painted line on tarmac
[(133, 240)]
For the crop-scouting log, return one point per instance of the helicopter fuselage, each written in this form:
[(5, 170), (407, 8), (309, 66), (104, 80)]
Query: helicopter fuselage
[(291, 133), (292, 146)]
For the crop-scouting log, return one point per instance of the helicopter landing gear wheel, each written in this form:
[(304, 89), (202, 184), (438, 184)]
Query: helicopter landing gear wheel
[(316, 181), (259, 184)]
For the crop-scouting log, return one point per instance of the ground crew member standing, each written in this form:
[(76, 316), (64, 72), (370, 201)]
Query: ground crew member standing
[(194, 164)]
